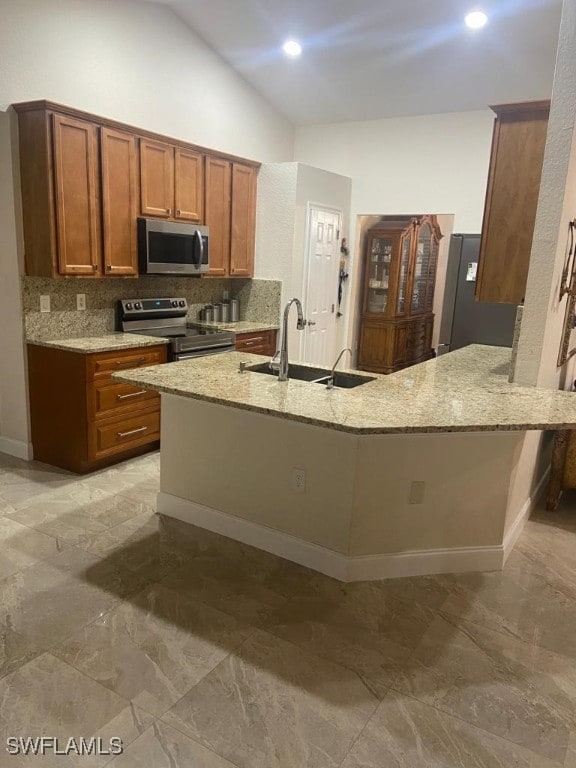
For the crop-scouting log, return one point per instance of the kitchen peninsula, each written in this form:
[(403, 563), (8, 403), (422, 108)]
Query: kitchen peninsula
[(406, 474)]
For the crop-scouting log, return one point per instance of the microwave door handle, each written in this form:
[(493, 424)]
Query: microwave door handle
[(198, 235)]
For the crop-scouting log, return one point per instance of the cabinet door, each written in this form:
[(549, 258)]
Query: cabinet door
[(421, 268), (188, 185), (156, 179), (403, 285), (76, 200), (119, 202), (378, 275), (218, 183), (243, 220), (518, 144)]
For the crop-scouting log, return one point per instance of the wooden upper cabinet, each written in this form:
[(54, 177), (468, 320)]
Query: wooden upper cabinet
[(119, 202), (86, 179), (243, 220), (188, 185), (518, 144), (76, 198), (218, 188), (156, 179)]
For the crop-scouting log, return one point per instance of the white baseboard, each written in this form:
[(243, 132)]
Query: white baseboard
[(17, 448), (513, 533), (327, 561)]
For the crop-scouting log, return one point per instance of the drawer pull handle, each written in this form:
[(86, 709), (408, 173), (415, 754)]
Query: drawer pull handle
[(130, 363), (251, 342), (131, 394), (131, 432)]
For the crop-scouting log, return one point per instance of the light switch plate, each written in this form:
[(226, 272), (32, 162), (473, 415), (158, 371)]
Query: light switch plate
[(45, 303), (80, 302), (417, 492)]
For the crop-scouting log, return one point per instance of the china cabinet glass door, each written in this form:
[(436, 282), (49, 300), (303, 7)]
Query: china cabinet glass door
[(432, 275), (378, 279), (422, 262), (401, 303)]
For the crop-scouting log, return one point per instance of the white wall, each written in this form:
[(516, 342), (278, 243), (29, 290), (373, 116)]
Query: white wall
[(543, 315), (275, 223), (284, 192), (427, 164), (14, 437), (138, 63), (436, 163)]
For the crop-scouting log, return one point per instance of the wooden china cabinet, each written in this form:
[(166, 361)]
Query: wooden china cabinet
[(399, 275)]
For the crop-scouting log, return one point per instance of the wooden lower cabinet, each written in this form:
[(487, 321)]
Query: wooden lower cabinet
[(386, 347), (81, 418), (257, 343)]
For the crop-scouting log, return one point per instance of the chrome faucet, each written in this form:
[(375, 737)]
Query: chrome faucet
[(330, 382), (282, 365)]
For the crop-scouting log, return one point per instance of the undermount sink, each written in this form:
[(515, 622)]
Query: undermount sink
[(315, 375)]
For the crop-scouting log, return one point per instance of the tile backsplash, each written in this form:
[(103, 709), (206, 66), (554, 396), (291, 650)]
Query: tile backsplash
[(259, 300)]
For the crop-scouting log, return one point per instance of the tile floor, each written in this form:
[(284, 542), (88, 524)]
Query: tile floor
[(199, 652)]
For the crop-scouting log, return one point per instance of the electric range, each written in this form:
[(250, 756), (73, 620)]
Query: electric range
[(166, 318)]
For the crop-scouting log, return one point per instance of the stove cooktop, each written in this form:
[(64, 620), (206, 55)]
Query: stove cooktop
[(166, 318)]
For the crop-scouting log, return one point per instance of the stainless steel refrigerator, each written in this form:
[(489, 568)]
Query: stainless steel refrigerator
[(465, 320)]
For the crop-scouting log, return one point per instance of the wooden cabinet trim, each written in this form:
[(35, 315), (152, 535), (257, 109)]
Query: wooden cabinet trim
[(63, 109)]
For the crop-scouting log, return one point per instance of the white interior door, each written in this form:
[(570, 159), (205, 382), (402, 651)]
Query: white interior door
[(321, 289)]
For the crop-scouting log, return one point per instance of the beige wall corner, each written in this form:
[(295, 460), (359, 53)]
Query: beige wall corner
[(14, 425), (543, 315)]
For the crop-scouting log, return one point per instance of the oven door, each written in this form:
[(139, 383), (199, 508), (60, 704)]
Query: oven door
[(172, 248), (202, 352)]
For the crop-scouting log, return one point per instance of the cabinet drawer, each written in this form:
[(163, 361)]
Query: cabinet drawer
[(104, 364), (107, 399), (122, 434), (262, 343)]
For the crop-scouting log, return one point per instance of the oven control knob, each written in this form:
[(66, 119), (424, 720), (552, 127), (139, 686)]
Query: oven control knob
[(129, 306), (174, 303), (181, 303), (137, 305)]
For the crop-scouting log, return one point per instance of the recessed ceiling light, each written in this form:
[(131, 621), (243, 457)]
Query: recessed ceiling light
[(292, 48), (476, 20)]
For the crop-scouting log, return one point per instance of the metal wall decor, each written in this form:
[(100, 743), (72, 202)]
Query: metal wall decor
[(568, 288)]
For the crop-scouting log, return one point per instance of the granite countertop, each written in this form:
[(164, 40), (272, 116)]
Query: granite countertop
[(106, 343), (463, 391), (242, 326)]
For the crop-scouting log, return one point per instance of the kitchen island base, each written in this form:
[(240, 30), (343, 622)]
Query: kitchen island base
[(232, 471)]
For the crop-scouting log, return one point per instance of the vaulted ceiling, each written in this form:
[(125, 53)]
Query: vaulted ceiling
[(367, 59)]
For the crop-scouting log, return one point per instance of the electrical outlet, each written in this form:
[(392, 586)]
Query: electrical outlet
[(417, 492), (299, 480), (80, 301), (45, 303)]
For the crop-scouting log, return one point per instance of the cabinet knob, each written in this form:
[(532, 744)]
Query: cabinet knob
[(169, 211), (178, 213), (94, 267)]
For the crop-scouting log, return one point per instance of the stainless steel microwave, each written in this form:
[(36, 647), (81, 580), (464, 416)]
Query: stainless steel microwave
[(172, 248)]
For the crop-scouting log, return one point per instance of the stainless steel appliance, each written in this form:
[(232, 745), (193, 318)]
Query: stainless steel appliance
[(465, 320), (172, 248), (166, 318)]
